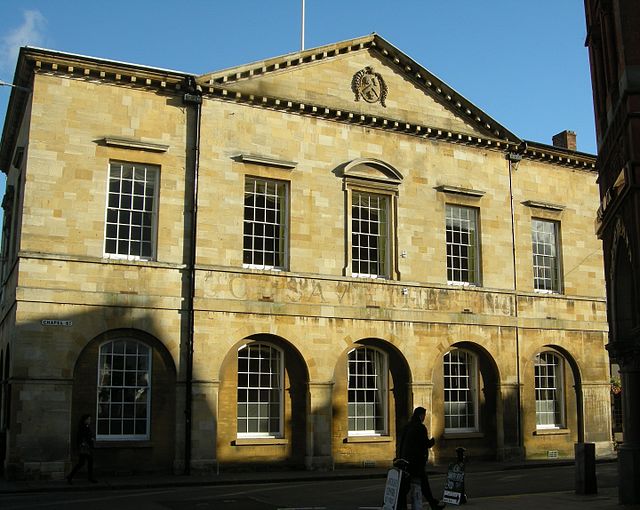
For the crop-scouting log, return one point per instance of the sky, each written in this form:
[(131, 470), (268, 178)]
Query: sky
[(522, 62)]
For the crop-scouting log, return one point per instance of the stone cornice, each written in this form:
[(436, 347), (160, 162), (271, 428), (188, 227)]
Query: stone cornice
[(405, 65), (92, 67), (88, 70), (559, 156), (353, 117), (533, 151), (217, 84), (35, 60)]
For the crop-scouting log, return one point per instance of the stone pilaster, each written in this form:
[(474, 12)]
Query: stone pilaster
[(204, 425), (319, 426), (422, 393), (596, 400), (508, 422)]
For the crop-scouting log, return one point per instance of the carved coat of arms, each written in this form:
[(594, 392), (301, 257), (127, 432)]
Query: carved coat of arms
[(369, 85)]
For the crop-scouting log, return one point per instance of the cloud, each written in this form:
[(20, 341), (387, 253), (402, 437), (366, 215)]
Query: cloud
[(31, 32)]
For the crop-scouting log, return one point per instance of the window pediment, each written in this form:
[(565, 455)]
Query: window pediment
[(372, 170)]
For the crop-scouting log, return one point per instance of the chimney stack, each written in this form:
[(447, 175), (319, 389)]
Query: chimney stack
[(565, 140)]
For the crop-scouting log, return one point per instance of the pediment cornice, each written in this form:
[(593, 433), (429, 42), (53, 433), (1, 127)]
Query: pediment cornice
[(403, 64), (213, 87), (528, 150)]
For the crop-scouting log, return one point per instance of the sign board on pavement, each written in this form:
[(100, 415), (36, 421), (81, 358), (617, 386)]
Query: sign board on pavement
[(392, 489), (454, 485)]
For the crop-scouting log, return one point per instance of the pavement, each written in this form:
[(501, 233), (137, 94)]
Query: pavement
[(605, 499)]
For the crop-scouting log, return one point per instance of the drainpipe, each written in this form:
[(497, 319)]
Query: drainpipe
[(514, 159), (191, 98)]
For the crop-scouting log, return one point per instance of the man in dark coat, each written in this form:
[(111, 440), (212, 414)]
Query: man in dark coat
[(85, 439), (414, 448)]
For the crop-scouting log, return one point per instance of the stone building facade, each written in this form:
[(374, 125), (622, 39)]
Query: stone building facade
[(274, 263), (614, 52)]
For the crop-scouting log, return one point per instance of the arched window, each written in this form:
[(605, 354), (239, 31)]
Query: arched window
[(372, 192), (460, 391), (549, 388), (124, 391), (260, 396), (367, 389)]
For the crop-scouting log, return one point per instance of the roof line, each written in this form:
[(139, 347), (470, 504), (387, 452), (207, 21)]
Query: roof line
[(292, 55), (555, 148), (570, 159), (45, 51), (418, 74)]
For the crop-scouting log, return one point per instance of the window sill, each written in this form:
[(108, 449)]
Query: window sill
[(257, 441), (365, 277), (465, 285), (548, 292), (463, 435), (368, 439), (551, 432), (134, 443), (263, 269), (127, 258)]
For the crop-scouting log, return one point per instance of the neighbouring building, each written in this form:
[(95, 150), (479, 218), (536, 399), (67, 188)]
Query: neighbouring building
[(613, 40), (272, 264)]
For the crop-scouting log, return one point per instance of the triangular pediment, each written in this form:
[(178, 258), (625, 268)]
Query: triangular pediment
[(365, 76)]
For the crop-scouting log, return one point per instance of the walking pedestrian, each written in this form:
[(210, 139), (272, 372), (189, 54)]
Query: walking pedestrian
[(414, 448), (84, 442)]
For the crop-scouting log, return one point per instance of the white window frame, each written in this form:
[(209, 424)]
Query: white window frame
[(378, 236), (128, 211), (372, 177), (549, 380), (256, 228), (259, 384), (135, 382), (547, 264), (465, 216), (379, 390), (457, 383)]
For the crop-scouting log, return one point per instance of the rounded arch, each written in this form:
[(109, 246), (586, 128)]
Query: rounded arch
[(395, 398), (573, 403), (134, 334), (241, 393), (374, 169), (91, 381), (567, 357), (488, 361), (397, 361), (467, 399), (287, 347), (382, 344), (400, 372)]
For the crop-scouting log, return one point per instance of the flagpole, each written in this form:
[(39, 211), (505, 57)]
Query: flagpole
[(302, 30)]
